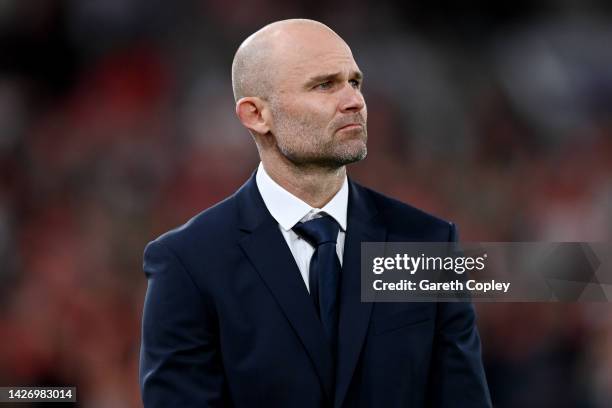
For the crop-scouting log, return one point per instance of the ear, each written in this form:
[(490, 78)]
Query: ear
[(253, 114)]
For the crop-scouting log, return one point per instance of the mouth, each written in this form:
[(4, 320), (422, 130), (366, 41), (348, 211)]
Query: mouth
[(350, 126)]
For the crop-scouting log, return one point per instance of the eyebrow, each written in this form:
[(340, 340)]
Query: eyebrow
[(329, 77)]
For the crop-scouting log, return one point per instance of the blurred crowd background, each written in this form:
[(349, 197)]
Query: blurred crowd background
[(117, 123)]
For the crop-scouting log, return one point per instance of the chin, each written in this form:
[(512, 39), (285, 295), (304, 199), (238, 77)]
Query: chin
[(355, 154)]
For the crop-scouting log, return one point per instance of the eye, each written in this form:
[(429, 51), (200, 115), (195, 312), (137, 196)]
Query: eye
[(355, 83), (324, 85)]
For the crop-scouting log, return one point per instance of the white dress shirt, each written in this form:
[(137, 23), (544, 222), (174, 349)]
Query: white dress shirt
[(288, 210)]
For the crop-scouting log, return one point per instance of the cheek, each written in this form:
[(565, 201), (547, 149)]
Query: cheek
[(308, 113), (321, 113), (364, 112), (311, 115)]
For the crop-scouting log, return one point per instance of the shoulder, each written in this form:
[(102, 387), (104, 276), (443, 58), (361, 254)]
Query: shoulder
[(211, 229), (404, 219)]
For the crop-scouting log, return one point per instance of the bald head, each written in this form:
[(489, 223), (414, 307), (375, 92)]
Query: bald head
[(257, 60), (298, 92)]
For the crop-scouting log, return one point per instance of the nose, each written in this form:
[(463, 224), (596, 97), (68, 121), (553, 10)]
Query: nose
[(351, 99)]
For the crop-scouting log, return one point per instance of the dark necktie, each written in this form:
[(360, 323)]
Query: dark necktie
[(324, 278)]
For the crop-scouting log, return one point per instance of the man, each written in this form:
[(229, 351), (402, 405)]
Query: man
[(256, 301)]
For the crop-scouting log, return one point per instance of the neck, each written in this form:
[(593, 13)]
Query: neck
[(314, 185)]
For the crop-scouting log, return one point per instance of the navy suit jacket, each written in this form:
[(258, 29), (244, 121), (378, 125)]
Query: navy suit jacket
[(228, 321)]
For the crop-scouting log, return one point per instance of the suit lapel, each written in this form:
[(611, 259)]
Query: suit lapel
[(354, 315), (265, 247)]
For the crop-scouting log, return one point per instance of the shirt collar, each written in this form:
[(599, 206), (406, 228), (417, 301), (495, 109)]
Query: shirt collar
[(288, 209)]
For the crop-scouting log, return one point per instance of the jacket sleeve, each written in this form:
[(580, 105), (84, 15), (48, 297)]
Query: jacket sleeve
[(457, 374), (180, 362)]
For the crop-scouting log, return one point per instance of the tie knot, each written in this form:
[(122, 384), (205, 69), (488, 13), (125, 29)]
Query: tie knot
[(318, 231)]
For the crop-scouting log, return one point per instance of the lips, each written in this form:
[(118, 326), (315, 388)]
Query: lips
[(350, 126)]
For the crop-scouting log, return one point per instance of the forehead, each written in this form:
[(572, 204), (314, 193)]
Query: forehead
[(316, 54)]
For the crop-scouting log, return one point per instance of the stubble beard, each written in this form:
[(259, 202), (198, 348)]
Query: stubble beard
[(307, 145)]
